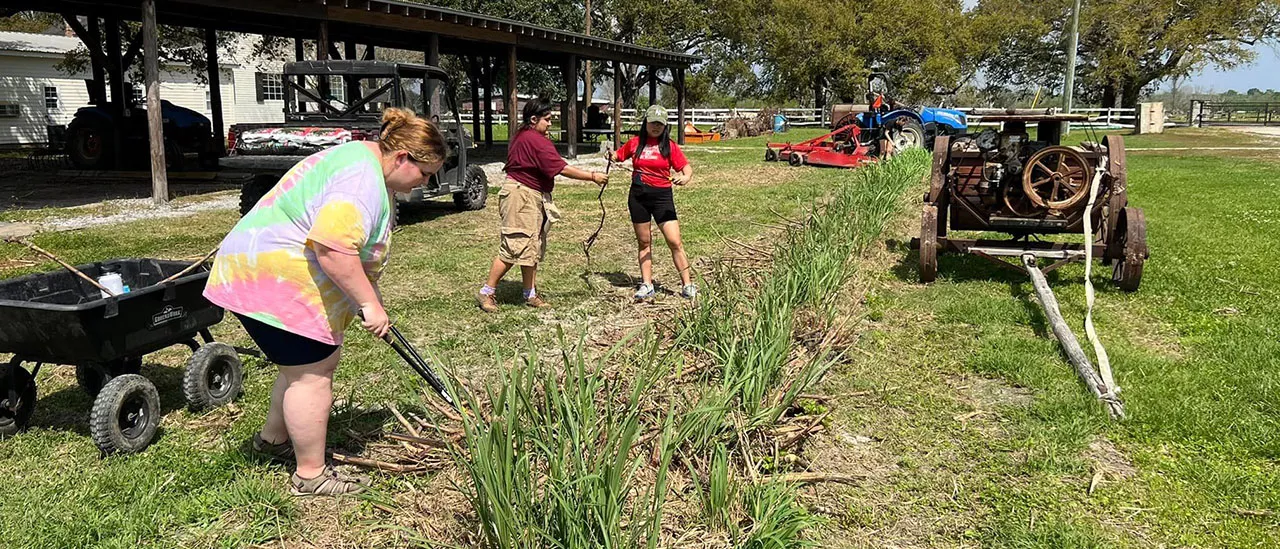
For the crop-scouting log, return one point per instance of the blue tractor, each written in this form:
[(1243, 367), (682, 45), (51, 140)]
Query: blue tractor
[(903, 126), (112, 136)]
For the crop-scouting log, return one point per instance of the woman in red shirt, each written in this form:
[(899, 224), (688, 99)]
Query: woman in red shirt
[(525, 203), (651, 197)]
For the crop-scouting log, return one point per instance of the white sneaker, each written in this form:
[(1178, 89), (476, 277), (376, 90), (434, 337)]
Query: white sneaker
[(689, 291), (644, 292)]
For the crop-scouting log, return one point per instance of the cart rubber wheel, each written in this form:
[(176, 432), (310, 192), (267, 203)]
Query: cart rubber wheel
[(125, 415), (476, 190), (928, 243), (92, 377), (213, 377), (17, 398), (796, 159), (770, 155), (1131, 238)]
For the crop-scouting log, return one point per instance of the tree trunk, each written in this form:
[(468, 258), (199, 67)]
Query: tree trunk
[(631, 82), (1129, 94), (1108, 96)]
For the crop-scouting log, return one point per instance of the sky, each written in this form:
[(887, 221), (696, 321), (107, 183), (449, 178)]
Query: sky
[(1263, 74)]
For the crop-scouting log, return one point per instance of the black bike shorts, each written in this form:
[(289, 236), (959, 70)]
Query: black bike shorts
[(647, 203)]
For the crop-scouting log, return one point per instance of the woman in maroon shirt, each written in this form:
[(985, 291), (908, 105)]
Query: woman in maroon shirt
[(654, 159), (525, 204)]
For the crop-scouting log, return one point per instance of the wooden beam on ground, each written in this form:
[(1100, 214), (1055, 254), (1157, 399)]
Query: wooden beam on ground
[(680, 105), (571, 114), (155, 121), (1070, 345), (215, 86), (513, 99)]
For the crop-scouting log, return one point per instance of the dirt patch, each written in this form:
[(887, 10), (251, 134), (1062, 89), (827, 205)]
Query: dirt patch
[(987, 394), (1108, 459)]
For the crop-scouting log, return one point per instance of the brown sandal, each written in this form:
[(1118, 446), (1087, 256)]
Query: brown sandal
[(328, 483)]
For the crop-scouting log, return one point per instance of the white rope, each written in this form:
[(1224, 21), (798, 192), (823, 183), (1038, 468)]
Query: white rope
[(1104, 362)]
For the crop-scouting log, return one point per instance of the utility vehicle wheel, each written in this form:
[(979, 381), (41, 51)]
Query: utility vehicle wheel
[(90, 144), (125, 415), (476, 191), (213, 377), (17, 398), (796, 159), (770, 155)]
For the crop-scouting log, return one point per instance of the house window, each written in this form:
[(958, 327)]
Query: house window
[(208, 101), (338, 89), (51, 98), (10, 110), (270, 87), (135, 92)]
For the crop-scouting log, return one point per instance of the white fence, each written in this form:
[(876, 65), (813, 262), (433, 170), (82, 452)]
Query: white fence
[(713, 117), (1101, 118)]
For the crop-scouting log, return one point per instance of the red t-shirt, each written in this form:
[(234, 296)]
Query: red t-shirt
[(649, 166), (533, 160)]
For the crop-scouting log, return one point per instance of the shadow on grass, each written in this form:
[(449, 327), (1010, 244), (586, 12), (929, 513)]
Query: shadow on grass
[(423, 212)]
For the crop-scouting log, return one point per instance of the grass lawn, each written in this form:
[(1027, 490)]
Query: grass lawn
[(957, 407)]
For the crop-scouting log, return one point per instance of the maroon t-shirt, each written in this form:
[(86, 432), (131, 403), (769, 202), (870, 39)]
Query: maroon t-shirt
[(532, 160)]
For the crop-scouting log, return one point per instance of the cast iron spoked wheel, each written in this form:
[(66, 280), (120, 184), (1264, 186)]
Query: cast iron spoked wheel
[(125, 415), (213, 377), (928, 243), (1019, 203), (1131, 238), (476, 192), (1056, 178), (17, 397), (92, 377)]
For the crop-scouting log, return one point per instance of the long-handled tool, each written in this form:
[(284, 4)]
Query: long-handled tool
[(406, 351)]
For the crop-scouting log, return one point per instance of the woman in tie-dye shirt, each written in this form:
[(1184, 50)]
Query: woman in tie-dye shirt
[(303, 262)]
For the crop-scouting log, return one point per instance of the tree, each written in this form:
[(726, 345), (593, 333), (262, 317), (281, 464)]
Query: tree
[(1126, 46)]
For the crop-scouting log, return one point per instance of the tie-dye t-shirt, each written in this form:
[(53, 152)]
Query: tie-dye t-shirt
[(265, 269)]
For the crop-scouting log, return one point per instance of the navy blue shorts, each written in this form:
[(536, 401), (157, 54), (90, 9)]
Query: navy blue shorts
[(283, 347)]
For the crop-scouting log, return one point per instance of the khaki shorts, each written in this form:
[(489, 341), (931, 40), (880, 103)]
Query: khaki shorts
[(527, 216)]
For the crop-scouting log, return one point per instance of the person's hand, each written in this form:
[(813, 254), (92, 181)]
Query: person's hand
[(600, 178), (374, 319), (681, 179), (606, 150)]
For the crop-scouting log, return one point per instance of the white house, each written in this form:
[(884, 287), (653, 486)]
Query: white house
[(34, 94)]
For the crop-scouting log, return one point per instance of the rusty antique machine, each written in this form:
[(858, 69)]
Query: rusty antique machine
[(1003, 181)]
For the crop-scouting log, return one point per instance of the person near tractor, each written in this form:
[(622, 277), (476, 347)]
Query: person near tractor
[(525, 205), (303, 263), (658, 163)]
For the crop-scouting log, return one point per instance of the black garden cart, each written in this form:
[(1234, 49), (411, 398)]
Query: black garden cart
[(59, 318)]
